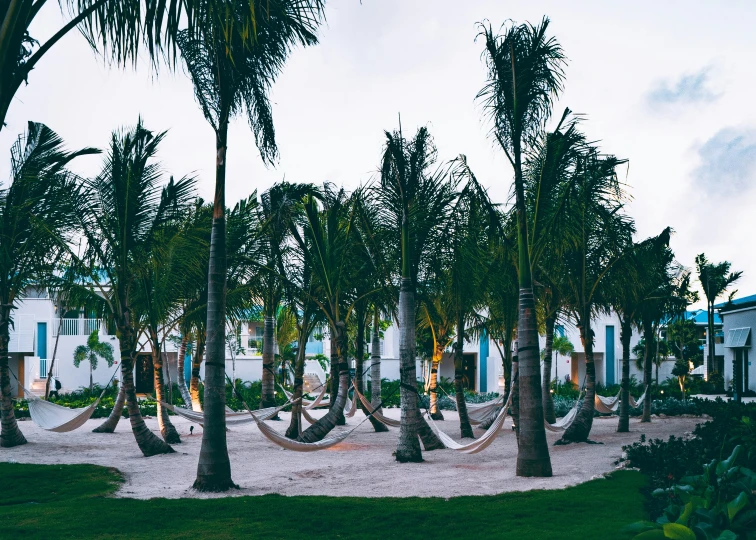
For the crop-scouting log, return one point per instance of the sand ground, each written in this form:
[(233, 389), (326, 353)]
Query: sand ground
[(362, 466)]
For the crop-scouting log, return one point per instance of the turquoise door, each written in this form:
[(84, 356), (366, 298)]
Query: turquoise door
[(42, 349), (609, 358)]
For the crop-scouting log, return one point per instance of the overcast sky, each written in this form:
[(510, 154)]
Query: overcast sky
[(669, 86)]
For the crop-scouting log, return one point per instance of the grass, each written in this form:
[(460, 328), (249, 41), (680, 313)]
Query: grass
[(71, 501)]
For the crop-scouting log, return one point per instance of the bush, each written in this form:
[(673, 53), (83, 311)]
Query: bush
[(720, 503)]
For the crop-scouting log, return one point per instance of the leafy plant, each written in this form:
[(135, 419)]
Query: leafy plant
[(718, 504)]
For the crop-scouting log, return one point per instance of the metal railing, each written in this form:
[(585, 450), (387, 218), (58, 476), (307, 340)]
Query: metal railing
[(77, 327)]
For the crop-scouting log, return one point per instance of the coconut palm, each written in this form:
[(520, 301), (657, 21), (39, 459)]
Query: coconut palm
[(633, 282), (233, 72), (117, 27), (525, 72), (125, 205), (715, 279), (436, 335), (548, 169), (36, 213), (415, 200), (603, 234), (90, 352), (173, 258)]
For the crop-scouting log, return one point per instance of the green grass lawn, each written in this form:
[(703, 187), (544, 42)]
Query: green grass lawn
[(71, 501)]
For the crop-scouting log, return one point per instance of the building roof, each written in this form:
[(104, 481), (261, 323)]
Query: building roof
[(699, 316), (737, 303)]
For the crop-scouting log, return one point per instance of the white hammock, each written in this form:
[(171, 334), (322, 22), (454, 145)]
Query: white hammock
[(610, 405), (566, 421), (634, 403), (318, 402), (482, 442), (57, 418), (284, 442), (377, 415), (232, 417)]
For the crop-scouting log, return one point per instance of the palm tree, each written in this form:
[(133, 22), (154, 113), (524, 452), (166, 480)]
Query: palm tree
[(90, 352), (525, 72), (232, 72), (548, 169), (415, 202), (715, 279), (36, 213), (602, 235), (172, 257), (125, 203), (119, 27), (436, 335)]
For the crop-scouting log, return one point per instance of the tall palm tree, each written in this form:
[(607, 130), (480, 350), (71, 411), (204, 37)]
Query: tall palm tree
[(548, 169), (525, 72), (415, 202), (233, 72), (125, 202), (436, 335), (117, 27), (36, 216), (90, 352), (172, 257), (715, 279), (603, 234)]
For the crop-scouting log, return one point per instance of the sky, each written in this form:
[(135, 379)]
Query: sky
[(668, 86)]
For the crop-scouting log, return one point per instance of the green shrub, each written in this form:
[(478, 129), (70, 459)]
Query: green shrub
[(718, 504)]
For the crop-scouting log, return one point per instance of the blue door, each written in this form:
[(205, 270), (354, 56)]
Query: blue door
[(42, 348), (609, 357), (483, 386)]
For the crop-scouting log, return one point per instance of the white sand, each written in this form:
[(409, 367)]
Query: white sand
[(260, 467)]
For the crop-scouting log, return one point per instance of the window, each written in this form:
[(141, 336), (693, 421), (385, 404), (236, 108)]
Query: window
[(738, 337)]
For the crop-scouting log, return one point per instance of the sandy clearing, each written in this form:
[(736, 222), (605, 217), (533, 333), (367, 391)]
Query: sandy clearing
[(260, 467)]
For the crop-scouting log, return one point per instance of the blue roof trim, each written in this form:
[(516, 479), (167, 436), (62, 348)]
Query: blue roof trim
[(738, 301)]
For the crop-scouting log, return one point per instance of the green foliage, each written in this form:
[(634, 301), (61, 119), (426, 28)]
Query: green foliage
[(72, 502), (718, 504)]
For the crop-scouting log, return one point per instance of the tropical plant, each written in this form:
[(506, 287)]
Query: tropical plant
[(602, 235), (719, 503), (124, 205), (415, 200), (37, 210), (525, 73), (233, 71), (715, 279), (90, 352)]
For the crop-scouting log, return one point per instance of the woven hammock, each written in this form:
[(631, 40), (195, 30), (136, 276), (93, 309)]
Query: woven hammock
[(53, 417), (566, 421), (284, 442), (318, 402), (482, 442), (376, 414), (232, 417)]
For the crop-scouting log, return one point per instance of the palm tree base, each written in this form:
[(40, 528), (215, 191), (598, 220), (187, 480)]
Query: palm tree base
[(534, 468), (11, 438), (437, 415), (170, 435), (412, 456), (209, 485), (378, 426), (428, 437)]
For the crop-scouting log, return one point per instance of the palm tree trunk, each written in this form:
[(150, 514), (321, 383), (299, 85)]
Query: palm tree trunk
[(335, 385), (91, 378), (214, 467), (375, 364), (412, 424), (149, 444), (435, 412), (359, 382), (268, 395), (10, 434), (648, 335), (324, 425), (459, 389), (109, 425), (180, 370), (167, 429), (533, 453), (580, 429), (548, 353), (710, 340), (624, 412), (292, 432), (194, 383), (55, 353)]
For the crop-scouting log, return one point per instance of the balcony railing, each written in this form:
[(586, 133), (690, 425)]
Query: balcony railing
[(77, 327)]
